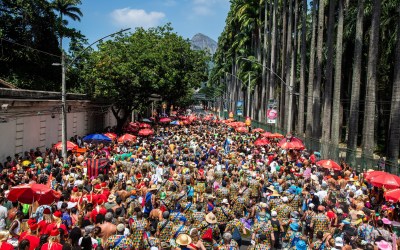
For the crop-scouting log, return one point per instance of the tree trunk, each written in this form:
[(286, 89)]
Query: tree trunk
[(311, 80), (264, 83), (317, 87), (335, 130), (273, 52), (394, 123), (300, 117), (370, 98), (327, 114), (355, 90), (283, 64), (293, 69), (285, 86)]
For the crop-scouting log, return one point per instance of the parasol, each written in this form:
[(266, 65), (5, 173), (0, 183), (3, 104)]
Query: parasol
[(127, 137), (145, 132), (70, 146), (329, 164), (30, 193), (261, 142)]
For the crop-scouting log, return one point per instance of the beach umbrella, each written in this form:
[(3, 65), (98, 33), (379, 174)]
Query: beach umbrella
[(96, 138), (266, 134), (70, 146), (242, 129), (127, 137), (258, 130), (386, 180), (329, 164), (112, 136), (30, 193), (145, 132), (291, 145), (371, 174), (392, 195), (144, 125), (165, 120), (276, 136), (261, 142)]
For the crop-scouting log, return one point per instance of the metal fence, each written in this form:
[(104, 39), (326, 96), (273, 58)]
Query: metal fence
[(328, 150)]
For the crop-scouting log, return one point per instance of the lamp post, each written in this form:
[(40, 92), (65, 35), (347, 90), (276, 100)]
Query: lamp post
[(64, 68), (288, 86)]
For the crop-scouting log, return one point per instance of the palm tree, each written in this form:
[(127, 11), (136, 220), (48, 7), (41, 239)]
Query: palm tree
[(338, 80), (293, 69), (273, 51), (394, 127), (311, 76), (355, 90), (300, 119), (288, 65), (327, 114), (370, 98), (317, 86)]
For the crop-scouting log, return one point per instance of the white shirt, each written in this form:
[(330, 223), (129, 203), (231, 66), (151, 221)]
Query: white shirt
[(321, 195)]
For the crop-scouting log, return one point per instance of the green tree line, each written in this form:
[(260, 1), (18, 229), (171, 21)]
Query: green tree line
[(332, 65)]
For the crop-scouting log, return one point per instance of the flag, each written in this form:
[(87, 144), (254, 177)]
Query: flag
[(96, 167)]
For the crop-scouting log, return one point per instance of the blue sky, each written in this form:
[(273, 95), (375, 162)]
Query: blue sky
[(188, 17)]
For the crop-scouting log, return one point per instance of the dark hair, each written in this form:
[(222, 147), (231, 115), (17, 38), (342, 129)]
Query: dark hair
[(86, 242), (23, 244)]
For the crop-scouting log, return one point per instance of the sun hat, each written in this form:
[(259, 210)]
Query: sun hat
[(285, 199), (121, 228), (311, 205), (274, 213), (263, 205), (339, 241), (225, 201), (210, 218), (183, 240), (384, 245), (386, 221), (129, 182), (152, 187), (294, 226), (111, 198)]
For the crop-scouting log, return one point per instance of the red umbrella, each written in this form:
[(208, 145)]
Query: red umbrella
[(386, 180), (144, 125), (372, 174), (261, 142), (29, 193), (258, 130), (165, 120), (291, 145), (127, 137), (242, 129), (393, 195), (266, 134), (276, 135), (294, 142), (112, 136), (70, 146), (145, 132), (329, 164)]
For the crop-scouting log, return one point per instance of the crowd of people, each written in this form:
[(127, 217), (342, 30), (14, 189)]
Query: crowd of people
[(199, 186)]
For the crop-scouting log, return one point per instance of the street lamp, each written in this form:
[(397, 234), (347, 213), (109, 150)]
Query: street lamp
[(290, 88), (64, 67)]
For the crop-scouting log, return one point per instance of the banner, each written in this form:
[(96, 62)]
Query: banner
[(272, 115), (239, 108)]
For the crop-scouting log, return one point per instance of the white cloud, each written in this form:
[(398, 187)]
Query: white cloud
[(206, 7), (170, 3), (128, 17)]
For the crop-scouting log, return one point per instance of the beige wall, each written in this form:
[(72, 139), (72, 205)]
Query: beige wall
[(26, 128)]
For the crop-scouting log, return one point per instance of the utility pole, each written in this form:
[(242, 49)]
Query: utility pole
[(63, 109)]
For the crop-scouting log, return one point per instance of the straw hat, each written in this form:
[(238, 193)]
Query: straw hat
[(275, 193), (183, 240), (210, 218), (271, 188), (245, 166), (4, 235), (153, 187)]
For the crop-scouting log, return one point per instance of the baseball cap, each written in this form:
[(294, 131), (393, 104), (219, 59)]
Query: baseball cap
[(339, 242)]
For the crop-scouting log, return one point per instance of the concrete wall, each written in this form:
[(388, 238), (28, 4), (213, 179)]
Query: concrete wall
[(28, 124)]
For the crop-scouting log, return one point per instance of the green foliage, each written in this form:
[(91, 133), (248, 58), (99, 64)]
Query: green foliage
[(130, 68)]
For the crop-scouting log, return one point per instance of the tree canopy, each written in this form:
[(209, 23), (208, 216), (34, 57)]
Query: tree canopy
[(130, 68)]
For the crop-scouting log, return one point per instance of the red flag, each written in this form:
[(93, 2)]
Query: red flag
[(96, 167)]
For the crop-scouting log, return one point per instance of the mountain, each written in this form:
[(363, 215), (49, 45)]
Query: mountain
[(203, 42)]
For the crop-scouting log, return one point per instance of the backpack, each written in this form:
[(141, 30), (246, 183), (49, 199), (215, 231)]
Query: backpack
[(236, 234), (208, 235)]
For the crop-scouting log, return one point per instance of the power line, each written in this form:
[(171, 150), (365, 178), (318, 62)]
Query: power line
[(38, 50)]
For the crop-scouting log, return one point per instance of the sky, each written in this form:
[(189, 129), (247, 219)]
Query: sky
[(188, 17)]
